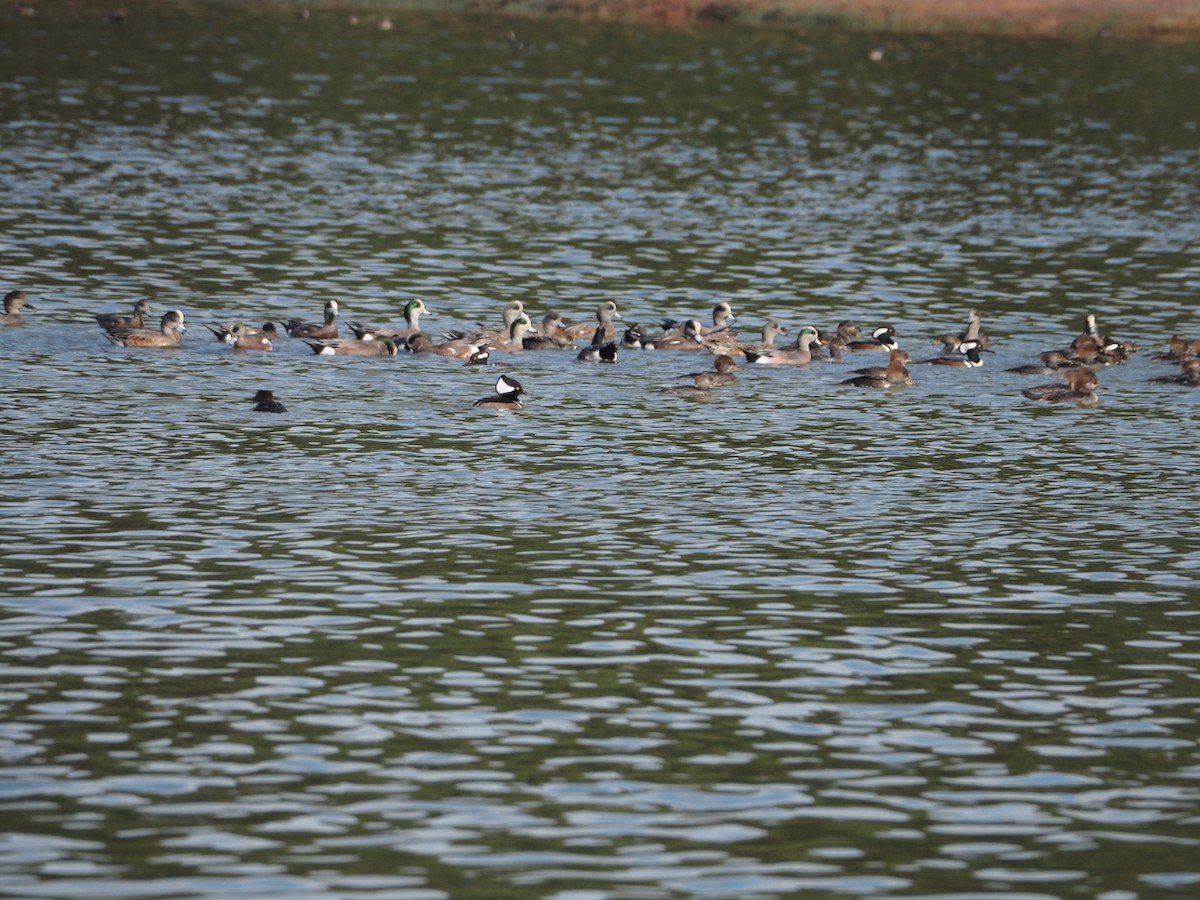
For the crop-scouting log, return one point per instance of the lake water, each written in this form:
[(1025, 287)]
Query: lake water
[(795, 639)]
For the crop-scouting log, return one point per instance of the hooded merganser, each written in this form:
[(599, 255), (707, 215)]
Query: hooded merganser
[(265, 402), (599, 350), (507, 396), (882, 371), (1188, 375), (894, 375), (1080, 387), (1178, 349), (109, 321), (169, 334), (967, 358), (13, 301), (324, 332), (882, 338), (1053, 361)]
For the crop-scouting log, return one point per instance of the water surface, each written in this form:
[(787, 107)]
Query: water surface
[(795, 639)]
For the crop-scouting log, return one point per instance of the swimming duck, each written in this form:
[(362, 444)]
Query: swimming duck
[(599, 350), (605, 313), (1052, 362), (882, 371), (413, 310), (109, 321), (1080, 388), (515, 342), (13, 301), (800, 355), (882, 338), (1178, 349), (967, 358), (894, 375), (265, 402), (380, 346), (459, 348), (169, 334), (721, 330), (722, 372), (549, 335), (770, 330), (951, 342), (324, 332), (1188, 374), (691, 338), (243, 337), (485, 334), (507, 396)]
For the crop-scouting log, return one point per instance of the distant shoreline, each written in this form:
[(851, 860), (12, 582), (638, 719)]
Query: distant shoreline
[(1160, 19)]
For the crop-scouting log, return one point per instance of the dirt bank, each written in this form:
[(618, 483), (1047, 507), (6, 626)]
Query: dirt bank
[(1129, 18)]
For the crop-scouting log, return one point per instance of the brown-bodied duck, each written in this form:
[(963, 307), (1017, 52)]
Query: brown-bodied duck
[(1052, 362), (169, 334), (605, 313), (952, 343), (550, 334), (327, 331), (413, 310), (799, 355), (1188, 374), (13, 302), (136, 319), (1080, 387), (378, 346), (458, 348), (895, 374)]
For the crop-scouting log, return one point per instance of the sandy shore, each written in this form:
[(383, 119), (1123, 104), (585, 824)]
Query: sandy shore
[(1179, 19)]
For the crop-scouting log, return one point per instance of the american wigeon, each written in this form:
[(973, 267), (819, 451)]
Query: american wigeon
[(170, 333), (460, 348), (799, 355), (550, 334), (326, 331), (137, 319), (413, 310), (379, 346), (605, 313), (952, 342)]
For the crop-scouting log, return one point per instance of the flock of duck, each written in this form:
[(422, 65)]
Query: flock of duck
[(1076, 363)]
